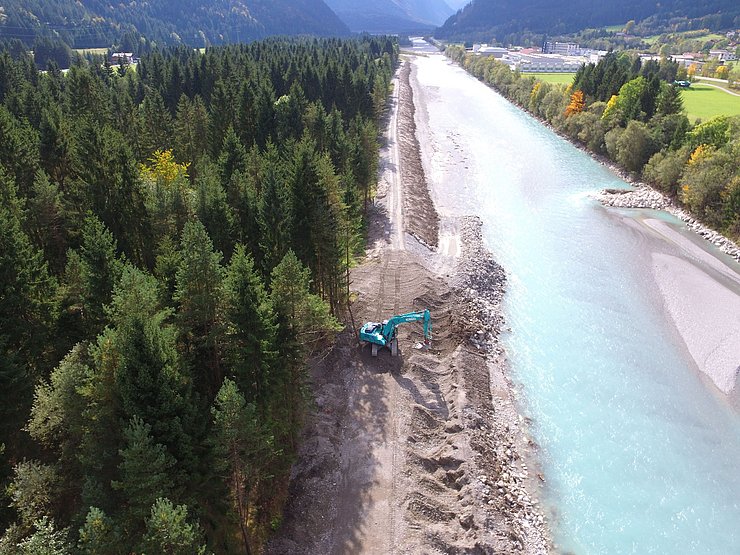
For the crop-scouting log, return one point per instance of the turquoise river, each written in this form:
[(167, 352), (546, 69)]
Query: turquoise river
[(640, 450)]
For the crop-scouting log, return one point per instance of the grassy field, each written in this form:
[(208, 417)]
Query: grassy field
[(564, 78), (702, 101), (98, 51), (652, 39), (722, 84)]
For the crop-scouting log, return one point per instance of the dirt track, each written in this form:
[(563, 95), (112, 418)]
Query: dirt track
[(408, 454)]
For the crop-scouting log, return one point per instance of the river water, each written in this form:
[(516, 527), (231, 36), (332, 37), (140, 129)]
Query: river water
[(639, 449)]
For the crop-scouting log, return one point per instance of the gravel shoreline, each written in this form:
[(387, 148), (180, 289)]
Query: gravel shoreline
[(644, 196), (507, 483)]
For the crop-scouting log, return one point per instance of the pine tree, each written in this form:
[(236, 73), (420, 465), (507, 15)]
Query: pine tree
[(46, 540), (98, 536), (169, 533), (58, 414), (33, 492)]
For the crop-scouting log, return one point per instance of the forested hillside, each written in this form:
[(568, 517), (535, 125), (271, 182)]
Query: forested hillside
[(632, 113), (94, 23), (488, 19), (391, 15), (174, 245)]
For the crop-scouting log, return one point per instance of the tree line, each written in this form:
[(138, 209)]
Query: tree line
[(197, 23), (174, 246), (632, 112)]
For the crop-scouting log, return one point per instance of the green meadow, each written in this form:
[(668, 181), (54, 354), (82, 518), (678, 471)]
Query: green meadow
[(561, 78), (703, 101)]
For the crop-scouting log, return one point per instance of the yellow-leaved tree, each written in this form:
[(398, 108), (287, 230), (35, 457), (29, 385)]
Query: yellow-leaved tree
[(163, 169), (577, 103)]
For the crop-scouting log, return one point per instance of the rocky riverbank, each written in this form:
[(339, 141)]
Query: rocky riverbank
[(507, 480), (644, 196)]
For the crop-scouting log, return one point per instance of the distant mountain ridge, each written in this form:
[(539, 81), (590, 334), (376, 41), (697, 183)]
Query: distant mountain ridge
[(380, 16), (498, 18), (89, 23)]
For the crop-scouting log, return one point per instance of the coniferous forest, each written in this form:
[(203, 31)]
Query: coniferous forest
[(174, 245)]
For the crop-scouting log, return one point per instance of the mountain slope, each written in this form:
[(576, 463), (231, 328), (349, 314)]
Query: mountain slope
[(194, 22), (501, 17), (391, 15)]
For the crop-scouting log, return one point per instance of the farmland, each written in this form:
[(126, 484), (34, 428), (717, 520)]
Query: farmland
[(704, 101), (562, 78)]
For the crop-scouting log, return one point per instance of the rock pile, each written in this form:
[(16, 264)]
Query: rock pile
[(507, 485), (644, 196), (641, 197), (481, 282)]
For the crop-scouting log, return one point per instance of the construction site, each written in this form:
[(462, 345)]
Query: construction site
[(423, 452)]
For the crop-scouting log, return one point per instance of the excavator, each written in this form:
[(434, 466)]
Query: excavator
[(383, 334)]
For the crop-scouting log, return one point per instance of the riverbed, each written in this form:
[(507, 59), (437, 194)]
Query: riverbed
[(623, 328)]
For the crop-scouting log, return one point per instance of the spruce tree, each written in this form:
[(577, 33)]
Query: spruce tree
[(46, 221), (27, 314), (199, 298), (143, 476), (251, 326), (149, 378), (274, 214), (100, 271), (213, 209), (156, 123), (243, 450)]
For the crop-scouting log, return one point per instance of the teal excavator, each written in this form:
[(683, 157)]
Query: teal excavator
[(383, 334)]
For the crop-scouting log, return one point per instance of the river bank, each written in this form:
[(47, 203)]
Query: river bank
[(692, 301), (636, 443), (421, 453)]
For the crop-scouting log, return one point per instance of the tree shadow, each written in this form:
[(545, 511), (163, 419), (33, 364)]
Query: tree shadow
[(340, 457)]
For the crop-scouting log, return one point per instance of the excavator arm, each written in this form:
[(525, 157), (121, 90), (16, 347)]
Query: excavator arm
[(390, 325)]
